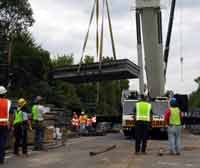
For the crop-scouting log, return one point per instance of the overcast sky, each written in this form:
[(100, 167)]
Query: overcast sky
[(61, 26)]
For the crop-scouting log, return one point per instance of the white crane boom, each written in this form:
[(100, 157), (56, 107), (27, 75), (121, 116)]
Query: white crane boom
[(149, 23)]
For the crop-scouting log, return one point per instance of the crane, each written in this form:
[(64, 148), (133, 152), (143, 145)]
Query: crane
[(149, 31)]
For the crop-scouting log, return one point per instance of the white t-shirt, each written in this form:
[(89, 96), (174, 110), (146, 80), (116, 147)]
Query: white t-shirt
[(41, 111), (25, 116)]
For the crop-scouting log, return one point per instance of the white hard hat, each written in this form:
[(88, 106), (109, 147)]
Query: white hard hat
[(2, 90)]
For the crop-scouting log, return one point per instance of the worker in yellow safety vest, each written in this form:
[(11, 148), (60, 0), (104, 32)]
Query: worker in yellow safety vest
[(21, 124), (5, 105), (173, 117), (38, 113), (143, 117)]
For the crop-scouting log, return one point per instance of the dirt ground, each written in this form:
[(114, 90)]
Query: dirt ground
[(76, 154)]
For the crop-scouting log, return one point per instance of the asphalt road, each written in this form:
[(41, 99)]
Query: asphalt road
[(76, 154)]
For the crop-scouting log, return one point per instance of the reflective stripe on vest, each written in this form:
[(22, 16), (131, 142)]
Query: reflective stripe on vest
[(175, 116), (18, 117), (5, 105), (94, 120), (35, 112), (143, 110), (75, 121)]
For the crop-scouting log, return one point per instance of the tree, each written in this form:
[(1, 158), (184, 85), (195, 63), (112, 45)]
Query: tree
[(17, 16), (30, 66), (63, 60), (194, 99)]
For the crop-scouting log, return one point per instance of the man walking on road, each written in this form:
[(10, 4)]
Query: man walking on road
[(5, 105), (173, 118), (142, 118)]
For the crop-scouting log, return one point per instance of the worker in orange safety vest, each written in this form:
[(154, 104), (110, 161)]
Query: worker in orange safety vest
[(83, 121), (94, 121), (89, 124), (75, 122), (5, 105)]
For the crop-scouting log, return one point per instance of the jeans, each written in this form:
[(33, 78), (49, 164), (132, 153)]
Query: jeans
[(3, 138), (174, 137), (20, 133), (82, 127), (39, 136)]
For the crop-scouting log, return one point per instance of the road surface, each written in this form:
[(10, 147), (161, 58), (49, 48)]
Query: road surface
[(76, 154)]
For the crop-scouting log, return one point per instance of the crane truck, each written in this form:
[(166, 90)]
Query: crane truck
[(150, 45)]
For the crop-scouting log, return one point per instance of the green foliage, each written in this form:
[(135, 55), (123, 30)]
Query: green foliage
[(194, 99), (88, 59), (17, 15), (30, 64), (29, 57), (63, 60)]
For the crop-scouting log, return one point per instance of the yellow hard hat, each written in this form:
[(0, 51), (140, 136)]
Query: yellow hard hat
[(21, 102)]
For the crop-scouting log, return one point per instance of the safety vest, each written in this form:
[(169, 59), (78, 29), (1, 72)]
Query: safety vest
[(18, 117), (143, 110), (94, 119), (175, 116), (89, 122), (75, 121), (5, 105), (35, 113), (82, 119)]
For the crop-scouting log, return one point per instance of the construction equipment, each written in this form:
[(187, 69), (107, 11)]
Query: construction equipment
[(149, 37)]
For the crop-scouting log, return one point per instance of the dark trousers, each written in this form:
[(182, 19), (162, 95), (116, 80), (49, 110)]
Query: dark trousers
[(141, 135), (39, 135), (20, 133), (3, 138)]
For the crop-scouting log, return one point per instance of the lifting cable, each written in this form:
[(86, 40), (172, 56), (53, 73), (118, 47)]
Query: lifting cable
[(111, 32), (87, 35), (101, 36), (99, 42)]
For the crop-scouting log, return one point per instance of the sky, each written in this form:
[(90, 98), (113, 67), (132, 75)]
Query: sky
[(61, 27)]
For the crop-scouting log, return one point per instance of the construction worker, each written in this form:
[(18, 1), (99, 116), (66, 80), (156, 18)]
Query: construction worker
[(89, 124), (75, 122), (38, 111), (21, 124), (5, 105), (94, 121), (173, 117), (143, 118), (82, 120)]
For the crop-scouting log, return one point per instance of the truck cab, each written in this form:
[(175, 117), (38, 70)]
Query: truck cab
[(158, 129)]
